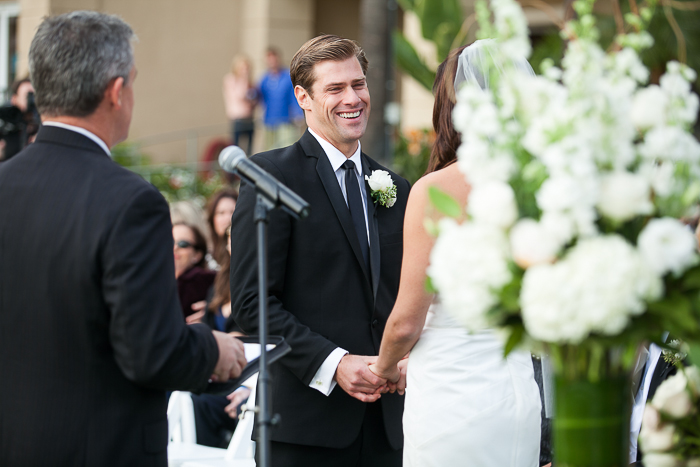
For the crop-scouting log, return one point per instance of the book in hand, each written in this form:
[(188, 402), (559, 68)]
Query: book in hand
[(276, 348)]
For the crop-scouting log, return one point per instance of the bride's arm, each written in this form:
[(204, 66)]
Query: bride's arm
[(408, 315)]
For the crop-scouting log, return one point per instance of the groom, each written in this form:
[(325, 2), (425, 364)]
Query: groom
[(333, 277)]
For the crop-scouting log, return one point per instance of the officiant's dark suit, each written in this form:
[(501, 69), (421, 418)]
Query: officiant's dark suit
[(322, 295), (91, 331)]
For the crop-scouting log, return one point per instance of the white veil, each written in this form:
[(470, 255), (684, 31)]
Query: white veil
[(478, 62)]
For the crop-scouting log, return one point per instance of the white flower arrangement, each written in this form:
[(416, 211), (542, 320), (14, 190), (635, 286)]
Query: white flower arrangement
[(578, 177), (670, 427), (383, 188)]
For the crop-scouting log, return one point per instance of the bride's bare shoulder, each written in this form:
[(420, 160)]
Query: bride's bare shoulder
[(450, 180)]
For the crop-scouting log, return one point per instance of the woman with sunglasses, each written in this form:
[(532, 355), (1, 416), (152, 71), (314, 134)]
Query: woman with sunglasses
[(193, 279)]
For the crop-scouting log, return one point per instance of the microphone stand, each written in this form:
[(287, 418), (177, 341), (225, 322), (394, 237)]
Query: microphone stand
[(262, 219), (265, 421)]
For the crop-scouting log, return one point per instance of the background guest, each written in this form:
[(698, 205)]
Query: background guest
[(216, 416), (282, 111), (219, 211), (240, 99), (193, 279)]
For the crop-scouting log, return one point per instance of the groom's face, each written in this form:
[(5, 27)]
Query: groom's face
[(338, 107)]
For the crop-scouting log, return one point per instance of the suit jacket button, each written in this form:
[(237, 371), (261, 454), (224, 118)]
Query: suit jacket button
[(374, 323)]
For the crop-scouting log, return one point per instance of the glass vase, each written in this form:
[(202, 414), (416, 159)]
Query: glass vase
[(591, 422)]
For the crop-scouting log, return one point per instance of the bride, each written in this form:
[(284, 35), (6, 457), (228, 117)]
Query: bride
[(465, 404)]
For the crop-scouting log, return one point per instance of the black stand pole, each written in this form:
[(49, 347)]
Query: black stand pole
[(265, 420)]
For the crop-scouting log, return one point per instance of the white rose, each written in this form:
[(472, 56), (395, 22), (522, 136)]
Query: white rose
[(649, 107), (673, 398), (692, 374), (624, 195), (651, 417), (531, 243), (667, 245), (380, 180), (493, 203), (659, 439), (657, 459)]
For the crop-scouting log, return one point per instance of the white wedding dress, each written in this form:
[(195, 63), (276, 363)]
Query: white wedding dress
[(465, 404)]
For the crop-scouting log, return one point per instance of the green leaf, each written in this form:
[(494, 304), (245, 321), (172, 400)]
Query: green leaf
[(516, 336), (444, 203), (694, 352), (409, 61), (691, 279), (434, 13), (429, 287)]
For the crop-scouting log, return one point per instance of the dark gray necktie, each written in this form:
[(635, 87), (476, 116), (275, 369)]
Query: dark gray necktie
[(357, 211)]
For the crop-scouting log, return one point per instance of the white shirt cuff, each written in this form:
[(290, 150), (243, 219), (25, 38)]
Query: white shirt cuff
[(324, 379)]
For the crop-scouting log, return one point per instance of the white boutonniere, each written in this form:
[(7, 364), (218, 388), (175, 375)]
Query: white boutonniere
[(383, 188)]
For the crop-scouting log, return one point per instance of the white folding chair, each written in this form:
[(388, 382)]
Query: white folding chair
[(240, 452)]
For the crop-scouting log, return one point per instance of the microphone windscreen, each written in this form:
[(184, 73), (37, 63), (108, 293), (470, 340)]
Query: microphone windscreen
[(230, 157)]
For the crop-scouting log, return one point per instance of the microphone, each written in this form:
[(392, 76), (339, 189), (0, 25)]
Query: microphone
[(233, 159)]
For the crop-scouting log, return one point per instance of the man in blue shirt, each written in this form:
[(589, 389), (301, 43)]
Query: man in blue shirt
[(283, 116)]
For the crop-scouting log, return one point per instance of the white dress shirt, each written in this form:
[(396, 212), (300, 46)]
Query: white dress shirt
[(82, 131), (324, 379), (640, 400)]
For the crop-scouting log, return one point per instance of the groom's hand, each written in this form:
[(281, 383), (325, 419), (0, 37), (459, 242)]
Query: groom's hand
[(354, 377)]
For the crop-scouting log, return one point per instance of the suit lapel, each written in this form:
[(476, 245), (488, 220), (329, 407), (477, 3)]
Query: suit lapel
[(374, 250), (330, 184)]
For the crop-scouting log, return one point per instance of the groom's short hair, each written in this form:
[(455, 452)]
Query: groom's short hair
[(319, 49)]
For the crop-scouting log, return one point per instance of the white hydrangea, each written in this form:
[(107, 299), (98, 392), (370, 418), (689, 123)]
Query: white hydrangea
[(532, 243), (667, 246), (468, 265), (649, 108), (624, 195), (493, 203), (596, 288)]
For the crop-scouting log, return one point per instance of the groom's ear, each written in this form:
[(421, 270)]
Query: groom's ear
[(303, 97)]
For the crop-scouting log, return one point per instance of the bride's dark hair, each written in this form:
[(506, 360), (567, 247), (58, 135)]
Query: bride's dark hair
[(447, 140)]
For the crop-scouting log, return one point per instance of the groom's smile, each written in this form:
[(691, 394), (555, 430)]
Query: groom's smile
[(338, 106)]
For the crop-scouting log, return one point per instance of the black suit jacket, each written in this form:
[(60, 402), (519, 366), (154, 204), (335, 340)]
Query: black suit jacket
[(91, 330), (321, 295)]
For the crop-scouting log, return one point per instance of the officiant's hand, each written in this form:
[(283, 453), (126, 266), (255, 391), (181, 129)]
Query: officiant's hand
[(231, 357), (354, 377)]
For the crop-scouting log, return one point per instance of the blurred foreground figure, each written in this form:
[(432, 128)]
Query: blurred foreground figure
[(91, 331)]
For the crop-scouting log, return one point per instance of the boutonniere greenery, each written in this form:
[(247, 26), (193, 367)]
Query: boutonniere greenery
[(383, 188)]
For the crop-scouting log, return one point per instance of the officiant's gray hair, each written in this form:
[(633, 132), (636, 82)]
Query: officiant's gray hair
[(320, 49), (74, 56)]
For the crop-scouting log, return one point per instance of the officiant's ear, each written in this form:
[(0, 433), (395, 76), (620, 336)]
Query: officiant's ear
[(303, 97)]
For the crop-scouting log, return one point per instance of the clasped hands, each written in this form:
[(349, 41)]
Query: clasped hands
[(360, 377)]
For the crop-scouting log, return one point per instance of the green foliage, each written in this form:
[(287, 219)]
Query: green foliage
[(175, 183), (441, 23), (444, 203), (128, 155), (409, 61), (178, 184), (412, 153)]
